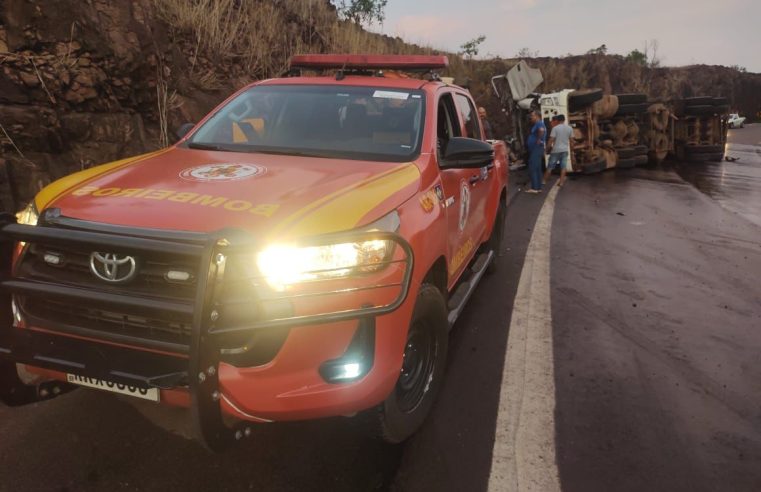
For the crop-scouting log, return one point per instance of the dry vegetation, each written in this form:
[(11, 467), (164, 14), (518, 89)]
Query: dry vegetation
[(262, 35)]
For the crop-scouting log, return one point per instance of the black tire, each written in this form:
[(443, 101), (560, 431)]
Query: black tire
[(702, 110), (698, 101), (629, 152), (405, 409), (703, 149), (626, 163), (626, 109), (594, 167), (580, 99), (497, 234), (707, 157), (634, 98), (721, 101)]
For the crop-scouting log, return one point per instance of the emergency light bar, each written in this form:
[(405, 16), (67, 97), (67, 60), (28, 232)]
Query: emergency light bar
[(370, 62)]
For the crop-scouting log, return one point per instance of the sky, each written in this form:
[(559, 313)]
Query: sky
[(714, 32)]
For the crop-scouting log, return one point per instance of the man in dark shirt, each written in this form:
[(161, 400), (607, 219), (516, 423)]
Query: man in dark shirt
[(488, 132), (535, 146)]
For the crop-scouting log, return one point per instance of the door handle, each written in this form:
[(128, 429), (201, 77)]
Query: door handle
[(474, 179)]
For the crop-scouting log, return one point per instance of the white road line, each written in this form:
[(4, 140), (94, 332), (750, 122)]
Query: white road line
[(523, 458)]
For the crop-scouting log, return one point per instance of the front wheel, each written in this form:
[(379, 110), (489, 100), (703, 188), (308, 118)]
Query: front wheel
[(422, 372)]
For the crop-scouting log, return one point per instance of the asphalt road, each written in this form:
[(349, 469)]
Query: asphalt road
[(655, 308)]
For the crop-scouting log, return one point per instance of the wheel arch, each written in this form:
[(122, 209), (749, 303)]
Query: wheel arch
[(437, 276)]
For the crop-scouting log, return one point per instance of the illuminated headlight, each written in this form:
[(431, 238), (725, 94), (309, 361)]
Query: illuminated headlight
[(284, 265), (29, 215)]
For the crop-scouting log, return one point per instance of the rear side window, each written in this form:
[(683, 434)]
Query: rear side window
[(469, 116)]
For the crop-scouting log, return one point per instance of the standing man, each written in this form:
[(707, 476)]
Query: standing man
[(560, 148), (535, 145), (488, 133)]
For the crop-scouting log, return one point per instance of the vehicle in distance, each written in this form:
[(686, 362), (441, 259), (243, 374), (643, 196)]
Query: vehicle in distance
[(736, 121), (300, 253)]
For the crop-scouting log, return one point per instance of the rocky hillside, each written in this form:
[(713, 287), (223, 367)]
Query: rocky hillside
[(89, 81)]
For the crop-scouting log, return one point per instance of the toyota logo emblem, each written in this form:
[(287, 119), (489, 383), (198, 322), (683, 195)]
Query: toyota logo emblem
[(112, 268)]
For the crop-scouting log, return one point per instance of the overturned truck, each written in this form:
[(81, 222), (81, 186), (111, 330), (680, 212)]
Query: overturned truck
[(616, 130)]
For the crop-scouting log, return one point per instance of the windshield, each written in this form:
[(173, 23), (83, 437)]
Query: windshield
[(366, 123)]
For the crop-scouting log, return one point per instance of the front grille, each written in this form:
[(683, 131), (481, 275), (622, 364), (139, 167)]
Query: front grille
[(74, 270), (49, 314), (134, 326)]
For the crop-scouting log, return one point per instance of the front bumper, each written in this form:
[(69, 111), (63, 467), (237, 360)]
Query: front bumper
[(195, 374)]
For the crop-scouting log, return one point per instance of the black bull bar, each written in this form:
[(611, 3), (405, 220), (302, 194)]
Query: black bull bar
[(72, 350)]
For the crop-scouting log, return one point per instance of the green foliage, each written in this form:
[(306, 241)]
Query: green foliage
[(636, 56), (470, 48), (362, 11)]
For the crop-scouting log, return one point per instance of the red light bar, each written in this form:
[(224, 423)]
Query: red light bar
[(376, 62)]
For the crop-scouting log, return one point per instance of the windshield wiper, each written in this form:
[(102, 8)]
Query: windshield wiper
[(203, 146), (296, 153)]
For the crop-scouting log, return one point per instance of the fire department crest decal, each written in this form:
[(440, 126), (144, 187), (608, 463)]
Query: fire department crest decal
[(464, 204), (222, 172)]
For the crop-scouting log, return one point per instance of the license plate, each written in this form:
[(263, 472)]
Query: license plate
[(151, 394)]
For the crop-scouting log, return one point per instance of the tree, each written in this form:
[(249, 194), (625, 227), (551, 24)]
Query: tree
[(651, 53), (470, 48), (362, 11), (600, 50), (526, 53), (636, 56)]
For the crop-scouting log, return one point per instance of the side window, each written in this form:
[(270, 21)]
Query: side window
[(469, 116), (447, 124)]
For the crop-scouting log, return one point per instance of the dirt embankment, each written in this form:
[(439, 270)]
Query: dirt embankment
[(89, 81)]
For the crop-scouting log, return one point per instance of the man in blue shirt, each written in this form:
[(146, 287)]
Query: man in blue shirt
[(535, 143)]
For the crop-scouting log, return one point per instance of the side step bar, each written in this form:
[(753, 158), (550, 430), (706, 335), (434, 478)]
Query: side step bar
[(465, 290)]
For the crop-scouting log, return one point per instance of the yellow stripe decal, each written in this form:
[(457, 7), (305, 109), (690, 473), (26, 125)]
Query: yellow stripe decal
[(58, 188), (346, 211), (293, 218)]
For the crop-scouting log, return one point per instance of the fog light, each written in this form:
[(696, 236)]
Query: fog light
[(358, 359), (53, 259), (178, 276), (340, 371), (348, 371)]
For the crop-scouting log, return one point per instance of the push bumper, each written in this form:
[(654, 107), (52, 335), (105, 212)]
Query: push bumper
[(197, 369)]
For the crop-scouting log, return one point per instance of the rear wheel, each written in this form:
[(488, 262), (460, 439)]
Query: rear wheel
[(422, 372), (633, 98), (594, 167), (578, 100)]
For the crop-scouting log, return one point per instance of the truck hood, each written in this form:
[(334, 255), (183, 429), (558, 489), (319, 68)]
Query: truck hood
[(268, 195), (523, 80)]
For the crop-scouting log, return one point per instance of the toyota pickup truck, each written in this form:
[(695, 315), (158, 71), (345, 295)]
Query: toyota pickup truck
[(302, 252)]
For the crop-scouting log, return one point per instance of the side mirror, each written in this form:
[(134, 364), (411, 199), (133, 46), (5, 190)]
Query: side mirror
[(184, 130), (461, 152)]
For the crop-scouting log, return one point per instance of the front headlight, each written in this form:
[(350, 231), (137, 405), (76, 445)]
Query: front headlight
[(284, 265), (29, 215)]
